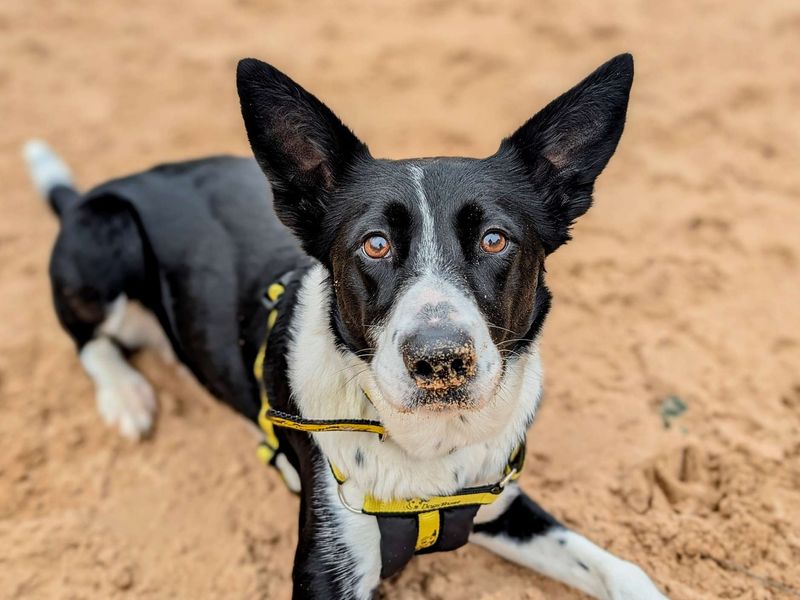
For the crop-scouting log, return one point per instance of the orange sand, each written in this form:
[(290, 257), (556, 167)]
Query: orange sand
[(683, 280)]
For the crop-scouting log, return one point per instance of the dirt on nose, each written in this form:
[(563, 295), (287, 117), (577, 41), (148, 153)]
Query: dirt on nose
[(437, 369)]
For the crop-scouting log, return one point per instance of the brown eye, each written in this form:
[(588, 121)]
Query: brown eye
[(376, 246), (494, 242)]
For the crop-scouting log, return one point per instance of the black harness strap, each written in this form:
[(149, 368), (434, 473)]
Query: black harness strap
[(399, 536)]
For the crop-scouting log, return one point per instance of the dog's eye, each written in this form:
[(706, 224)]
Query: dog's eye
[(494, 242), (376, 246)]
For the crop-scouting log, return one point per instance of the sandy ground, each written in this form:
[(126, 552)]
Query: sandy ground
[(681, 282)]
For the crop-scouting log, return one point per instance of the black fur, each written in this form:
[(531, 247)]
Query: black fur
[(98, 256), (61, 197), (522, 521)]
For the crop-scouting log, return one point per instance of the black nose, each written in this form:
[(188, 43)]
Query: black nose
[(439, 359)]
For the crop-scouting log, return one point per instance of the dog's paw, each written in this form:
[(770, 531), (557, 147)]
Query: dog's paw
[(128, 402), (626, 581)]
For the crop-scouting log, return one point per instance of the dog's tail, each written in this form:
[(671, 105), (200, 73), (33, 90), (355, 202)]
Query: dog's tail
[(51, 175)]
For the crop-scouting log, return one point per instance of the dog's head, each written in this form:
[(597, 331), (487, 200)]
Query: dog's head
[(437, 264)]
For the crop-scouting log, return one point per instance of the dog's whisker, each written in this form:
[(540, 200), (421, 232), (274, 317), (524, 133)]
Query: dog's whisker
[(506, 329), (506, 354), (351, 366), (514, 341), (357, 375)]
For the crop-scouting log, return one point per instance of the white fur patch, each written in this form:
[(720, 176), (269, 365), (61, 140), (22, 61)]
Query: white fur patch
[(124, 398), (288, 472), (46, 169), (574, 560), (425, 453), (490, 512), (136, 327), (360, 534), (428, 256)]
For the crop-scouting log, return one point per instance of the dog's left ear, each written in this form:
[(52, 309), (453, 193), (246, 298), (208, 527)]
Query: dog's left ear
[(567, 144), (302, 147)]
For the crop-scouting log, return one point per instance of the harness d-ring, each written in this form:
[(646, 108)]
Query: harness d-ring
[(344, 502), (507, 479)]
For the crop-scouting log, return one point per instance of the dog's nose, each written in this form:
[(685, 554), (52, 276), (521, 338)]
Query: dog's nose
[(439, 358)]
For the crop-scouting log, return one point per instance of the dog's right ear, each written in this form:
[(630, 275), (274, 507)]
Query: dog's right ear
[(302, 147)]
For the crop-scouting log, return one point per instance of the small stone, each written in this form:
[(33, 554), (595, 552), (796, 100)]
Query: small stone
[(123, 578)]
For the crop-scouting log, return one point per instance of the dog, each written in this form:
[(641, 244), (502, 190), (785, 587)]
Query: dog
[(383, 330)]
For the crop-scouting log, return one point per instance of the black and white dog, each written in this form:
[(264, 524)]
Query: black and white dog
[(414, 296)]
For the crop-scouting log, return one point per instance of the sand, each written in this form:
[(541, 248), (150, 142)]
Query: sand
[(680, 288)]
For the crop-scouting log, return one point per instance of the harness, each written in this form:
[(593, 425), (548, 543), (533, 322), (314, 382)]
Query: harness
[(407, 526)]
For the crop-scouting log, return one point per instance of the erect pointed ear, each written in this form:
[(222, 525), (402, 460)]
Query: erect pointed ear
[(567, 144), (302, 147)]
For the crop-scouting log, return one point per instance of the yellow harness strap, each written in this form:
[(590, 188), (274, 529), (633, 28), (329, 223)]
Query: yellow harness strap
[(267, 449), (428, 531), (269, 418)]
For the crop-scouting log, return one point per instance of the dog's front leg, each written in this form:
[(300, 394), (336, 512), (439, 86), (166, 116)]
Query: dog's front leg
[(338, 552), (518, 529)]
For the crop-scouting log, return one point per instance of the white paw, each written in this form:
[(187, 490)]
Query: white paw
[(127, 401), (626, 581)]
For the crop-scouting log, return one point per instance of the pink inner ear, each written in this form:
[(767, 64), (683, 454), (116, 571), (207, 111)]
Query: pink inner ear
[(300, 149), (314, 165), (563, 149)]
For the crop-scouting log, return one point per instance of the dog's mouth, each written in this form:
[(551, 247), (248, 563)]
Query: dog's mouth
[(440, 403), (428, 422)]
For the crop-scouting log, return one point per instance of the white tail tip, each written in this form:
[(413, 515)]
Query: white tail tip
[(47, 170)]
